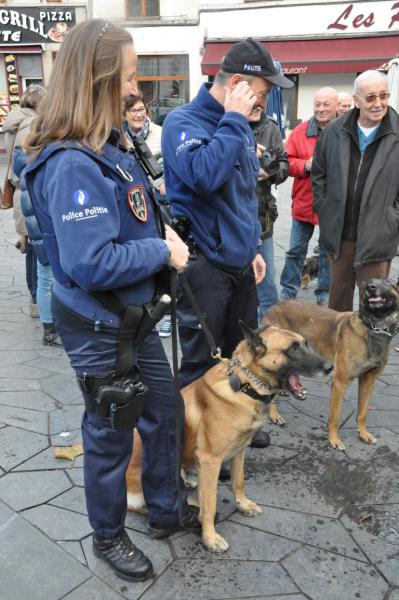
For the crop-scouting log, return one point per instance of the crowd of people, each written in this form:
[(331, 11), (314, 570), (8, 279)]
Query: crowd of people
[(93, 223)]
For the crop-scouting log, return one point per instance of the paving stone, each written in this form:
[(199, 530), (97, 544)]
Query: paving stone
[(355, 449), (23, 490), (244, 544), (76, 476), (46, 460), (389, 390), (157, 551), (390, 379), (17, 446), (67, 418), (384, 402), (394, 595), (326, 576), (58, 523), (93, 589), (318, 408), (57, 363), (200, 579), (323, 532), (48, 572), (75, 550), (6, 514), (16, 357), (14, 371), (18, 385), (30, 420), (73, 499), (34, 400), (63, 388), (299, 430), (67, 438)]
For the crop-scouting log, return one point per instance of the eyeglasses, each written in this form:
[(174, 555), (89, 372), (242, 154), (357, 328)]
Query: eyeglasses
[(371, 98), (136, 111)]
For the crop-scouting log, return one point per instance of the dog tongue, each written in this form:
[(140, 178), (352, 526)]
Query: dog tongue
[(295, 383)]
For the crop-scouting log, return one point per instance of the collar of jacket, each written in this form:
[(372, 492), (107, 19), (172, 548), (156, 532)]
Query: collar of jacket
[(254, 125), (313, 129), (208, 103), (350, 120)]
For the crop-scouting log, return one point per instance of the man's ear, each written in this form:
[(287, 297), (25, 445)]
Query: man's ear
[(255, 343)]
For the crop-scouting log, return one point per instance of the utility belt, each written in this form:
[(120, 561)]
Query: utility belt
[(120, 397)]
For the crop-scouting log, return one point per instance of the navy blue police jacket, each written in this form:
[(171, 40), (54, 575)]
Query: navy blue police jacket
[(211, 170), (99, 226)]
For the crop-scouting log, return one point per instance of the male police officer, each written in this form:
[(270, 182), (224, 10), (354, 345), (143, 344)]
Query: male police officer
[(211, 170)]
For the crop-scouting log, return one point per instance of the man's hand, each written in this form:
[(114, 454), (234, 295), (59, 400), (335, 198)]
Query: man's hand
[(308, 164), (260, 150), (178, 250), (259, 268), (263, 175), (241, 99)]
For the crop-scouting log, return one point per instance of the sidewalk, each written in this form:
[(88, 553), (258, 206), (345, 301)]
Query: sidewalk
[(330, 523)]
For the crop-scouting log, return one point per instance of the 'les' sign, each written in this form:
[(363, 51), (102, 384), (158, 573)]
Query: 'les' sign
[(350, 18)]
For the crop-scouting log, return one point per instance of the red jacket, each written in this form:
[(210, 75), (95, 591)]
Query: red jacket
[(300, 147)]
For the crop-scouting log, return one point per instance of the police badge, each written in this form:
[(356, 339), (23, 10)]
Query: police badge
[(137, 202)]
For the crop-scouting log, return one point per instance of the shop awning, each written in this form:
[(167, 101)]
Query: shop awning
[(20, 49), (337, 55)]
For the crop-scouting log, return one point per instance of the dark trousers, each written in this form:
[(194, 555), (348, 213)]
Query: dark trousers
[(31, 269), (224, 298), (345, 276), (106, 452)]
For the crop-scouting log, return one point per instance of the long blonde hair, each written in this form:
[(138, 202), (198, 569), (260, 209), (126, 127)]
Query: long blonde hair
[(83, 100)]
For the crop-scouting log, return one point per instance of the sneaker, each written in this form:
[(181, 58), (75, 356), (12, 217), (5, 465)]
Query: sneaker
[(34, 310), (50, 336), (166, 327), (190, 523), (123, 556)]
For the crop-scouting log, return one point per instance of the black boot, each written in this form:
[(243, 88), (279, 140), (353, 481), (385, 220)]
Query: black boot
[(261, 439), (190, 523), (50, 336), (121, 554)]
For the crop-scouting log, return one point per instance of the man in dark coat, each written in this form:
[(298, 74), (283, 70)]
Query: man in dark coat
[(355, 179), (274, 170)]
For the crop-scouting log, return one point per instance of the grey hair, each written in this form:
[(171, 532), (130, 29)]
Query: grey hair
[(32, 96), (222, 77), (367, 75)]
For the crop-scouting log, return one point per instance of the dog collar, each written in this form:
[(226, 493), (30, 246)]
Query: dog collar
[(389, 331), (267, 394)]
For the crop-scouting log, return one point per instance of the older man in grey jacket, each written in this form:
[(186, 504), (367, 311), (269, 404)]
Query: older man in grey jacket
[(355, 179)]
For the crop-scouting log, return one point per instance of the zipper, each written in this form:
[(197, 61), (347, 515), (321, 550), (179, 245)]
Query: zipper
[(354, 193)]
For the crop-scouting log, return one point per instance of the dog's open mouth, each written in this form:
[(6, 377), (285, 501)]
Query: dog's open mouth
[(294, 388), (376, 302)]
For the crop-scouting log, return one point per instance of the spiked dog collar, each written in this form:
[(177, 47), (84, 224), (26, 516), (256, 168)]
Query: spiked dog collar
[(268, 393)]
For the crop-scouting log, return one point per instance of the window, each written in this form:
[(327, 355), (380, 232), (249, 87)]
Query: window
[(143, 8), (164, 81)]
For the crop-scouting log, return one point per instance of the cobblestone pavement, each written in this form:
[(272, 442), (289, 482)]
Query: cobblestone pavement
[(329, 528)]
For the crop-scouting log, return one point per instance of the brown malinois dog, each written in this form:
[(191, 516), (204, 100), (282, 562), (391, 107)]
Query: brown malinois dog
[(357, 343), (223, 410)]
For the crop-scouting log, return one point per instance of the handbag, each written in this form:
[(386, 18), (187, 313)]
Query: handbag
[(7, 194)]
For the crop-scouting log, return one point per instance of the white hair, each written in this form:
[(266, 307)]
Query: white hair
[(367, 75)]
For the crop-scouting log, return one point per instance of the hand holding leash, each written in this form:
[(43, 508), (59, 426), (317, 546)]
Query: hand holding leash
[(178, 250), (259, 268)]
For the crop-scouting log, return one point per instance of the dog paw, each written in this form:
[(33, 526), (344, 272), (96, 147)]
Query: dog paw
[(215, 543), (249, 508), (278, 420), (136, 503), (336, 443), (367, 437)]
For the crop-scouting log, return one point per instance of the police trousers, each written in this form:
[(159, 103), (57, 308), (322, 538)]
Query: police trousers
[(106, 452), (224, 298)]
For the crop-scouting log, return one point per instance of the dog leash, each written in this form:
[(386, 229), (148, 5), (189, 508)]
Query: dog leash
[(177, 397)]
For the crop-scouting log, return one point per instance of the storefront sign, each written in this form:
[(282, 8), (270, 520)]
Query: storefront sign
[(34, 25), (362, 20)]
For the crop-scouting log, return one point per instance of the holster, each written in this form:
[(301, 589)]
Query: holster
[(119, 400)]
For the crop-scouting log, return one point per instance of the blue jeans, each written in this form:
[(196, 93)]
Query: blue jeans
[(44, 284), (267, 289), (290, 280)]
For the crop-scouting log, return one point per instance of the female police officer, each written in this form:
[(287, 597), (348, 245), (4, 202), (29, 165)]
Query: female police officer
[(99, 226)]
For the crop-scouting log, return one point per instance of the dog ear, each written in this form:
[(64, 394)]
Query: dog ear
[(254, 340)]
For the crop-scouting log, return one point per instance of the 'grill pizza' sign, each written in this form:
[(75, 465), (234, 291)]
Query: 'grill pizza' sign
[(33, 25)]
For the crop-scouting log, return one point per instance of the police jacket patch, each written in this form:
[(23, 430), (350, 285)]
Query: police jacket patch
[(138, 203)]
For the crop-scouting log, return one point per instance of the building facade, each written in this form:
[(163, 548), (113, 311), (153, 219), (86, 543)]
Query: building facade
[(180, 43)]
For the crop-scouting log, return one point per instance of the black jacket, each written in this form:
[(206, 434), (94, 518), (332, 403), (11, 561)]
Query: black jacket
[(267, 133), (357, 196)]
